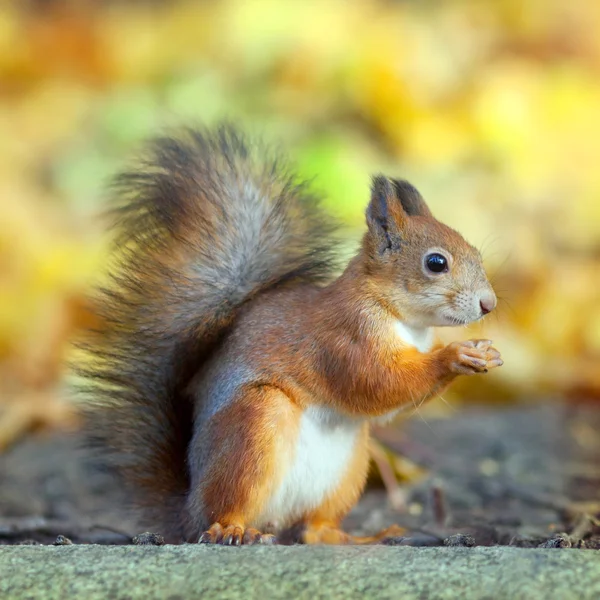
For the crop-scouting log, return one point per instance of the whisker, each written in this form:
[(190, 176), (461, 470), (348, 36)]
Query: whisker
[(487, 242), (446, 402), (414, 403), (418, 412), (508, 305), (498, 269)]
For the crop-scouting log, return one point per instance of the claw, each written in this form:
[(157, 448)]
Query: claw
[(232, 536), (251, 537), (267, 539), (213, 535), (472, 360), (497, 362), (482, 344)]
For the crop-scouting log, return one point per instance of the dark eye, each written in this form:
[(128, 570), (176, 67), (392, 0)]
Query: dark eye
[(436, 263)]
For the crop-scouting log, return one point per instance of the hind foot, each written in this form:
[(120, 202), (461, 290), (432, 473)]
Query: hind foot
[(325, 533)]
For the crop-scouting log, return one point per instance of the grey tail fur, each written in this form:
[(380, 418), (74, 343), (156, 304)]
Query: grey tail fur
[(208, 221)]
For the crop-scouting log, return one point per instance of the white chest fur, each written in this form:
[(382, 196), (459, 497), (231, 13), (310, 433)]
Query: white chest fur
[(420, 338), (320, 458)]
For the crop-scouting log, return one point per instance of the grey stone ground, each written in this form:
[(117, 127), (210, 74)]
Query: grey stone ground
[(181, 572)]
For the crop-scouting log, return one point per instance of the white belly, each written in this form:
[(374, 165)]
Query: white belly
[(320, 458)]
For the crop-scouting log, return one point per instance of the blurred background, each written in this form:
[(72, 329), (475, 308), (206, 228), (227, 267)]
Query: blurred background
[(491, 108)]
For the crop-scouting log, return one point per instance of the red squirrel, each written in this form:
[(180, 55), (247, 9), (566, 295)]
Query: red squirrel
[(237, 372)]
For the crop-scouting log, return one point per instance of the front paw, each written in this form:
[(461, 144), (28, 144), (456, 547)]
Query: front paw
[(234, 535), (471, 357)]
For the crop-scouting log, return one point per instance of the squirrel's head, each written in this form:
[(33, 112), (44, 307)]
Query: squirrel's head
[(422, 269)]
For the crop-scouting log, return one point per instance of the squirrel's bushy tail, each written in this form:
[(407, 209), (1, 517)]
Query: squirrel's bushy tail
[(208, 221)]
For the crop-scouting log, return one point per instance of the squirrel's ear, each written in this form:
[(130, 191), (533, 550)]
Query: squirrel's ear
[(385, 215), (412, 202)]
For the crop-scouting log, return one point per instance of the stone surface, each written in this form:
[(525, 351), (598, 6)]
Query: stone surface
[(181, 572)]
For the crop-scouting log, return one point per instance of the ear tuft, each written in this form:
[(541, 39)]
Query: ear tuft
[(410, 198), (380, 217), (382, 193)]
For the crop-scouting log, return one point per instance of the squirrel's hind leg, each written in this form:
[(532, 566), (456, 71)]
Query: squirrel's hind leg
[(323, 525), (236, 477)]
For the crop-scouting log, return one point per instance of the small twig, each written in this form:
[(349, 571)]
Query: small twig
[(579, 511), (546, 500), (439, 505), (584, 525), (395, 493)]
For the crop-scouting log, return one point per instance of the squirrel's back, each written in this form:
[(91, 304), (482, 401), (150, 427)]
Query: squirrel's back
[(204, 224)]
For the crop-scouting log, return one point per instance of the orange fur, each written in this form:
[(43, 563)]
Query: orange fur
[(243, 469), (333, 346), (337, 347), (240, 378)]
